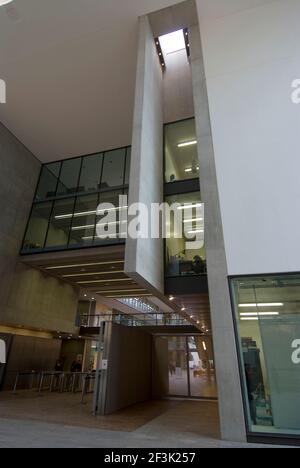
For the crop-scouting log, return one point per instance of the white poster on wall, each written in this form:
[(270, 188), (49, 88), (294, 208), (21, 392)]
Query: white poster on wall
[(281, 343)]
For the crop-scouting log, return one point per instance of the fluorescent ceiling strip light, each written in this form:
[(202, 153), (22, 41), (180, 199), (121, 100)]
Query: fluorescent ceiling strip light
[(105, 281), (259, 314), (199, 231), (187, 143), (87, 213), (120, 291), (119, 208), (190, 169), (187, 207), (204, 346), (194, 220), (130, 295), (80, 228), (60, 267), (114, 272), (263, 304)]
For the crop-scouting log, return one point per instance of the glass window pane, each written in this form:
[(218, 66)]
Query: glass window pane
[(69, 176), (181, 259), (48, 181), (83, 224), (60, 223), (181, 155), (90, 173), (201, 363), (268, 317), (113, 169), (38, 226), (127, 170)]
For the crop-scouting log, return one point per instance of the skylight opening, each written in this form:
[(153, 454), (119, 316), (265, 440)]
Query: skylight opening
[(5, 2), (173, 42)]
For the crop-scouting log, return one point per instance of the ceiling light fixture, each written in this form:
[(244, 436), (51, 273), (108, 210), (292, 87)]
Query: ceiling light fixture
[(60, 267), (194, 220), (104, 281), (263, 304), (204, 346), (259, 314), (187, 143), (188, 207), (199, 231), (74, 275)]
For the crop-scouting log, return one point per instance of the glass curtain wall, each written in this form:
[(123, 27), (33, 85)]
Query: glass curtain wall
[(180, 259), (64, 212), (268, 323), (181, 155)]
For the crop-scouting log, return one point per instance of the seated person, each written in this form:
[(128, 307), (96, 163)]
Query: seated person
[(198, 265)]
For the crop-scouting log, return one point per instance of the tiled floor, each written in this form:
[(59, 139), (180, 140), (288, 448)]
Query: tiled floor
[(52, 420)]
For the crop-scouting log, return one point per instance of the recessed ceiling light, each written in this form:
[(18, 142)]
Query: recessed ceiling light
[(173, 42), (5, 2)]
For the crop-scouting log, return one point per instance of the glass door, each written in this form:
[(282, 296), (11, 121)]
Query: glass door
[(178, 366), (184, 367)]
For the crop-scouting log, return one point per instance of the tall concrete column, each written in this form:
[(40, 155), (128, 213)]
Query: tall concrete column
[(229, 387), (144, 260)]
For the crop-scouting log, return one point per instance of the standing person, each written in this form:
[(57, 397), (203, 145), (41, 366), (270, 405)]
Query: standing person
[(76, 365), (59, 366)]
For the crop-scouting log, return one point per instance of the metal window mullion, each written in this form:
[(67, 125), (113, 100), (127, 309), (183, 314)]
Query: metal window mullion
[(188, 365), (52, 208)]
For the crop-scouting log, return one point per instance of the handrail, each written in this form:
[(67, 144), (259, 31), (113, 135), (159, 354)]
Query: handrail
[(135, 320)]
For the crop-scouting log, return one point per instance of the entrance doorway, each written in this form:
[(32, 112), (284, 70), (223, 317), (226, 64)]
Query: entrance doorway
[(184, 366)]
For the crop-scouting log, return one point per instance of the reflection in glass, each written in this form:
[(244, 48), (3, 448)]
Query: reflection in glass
[(37, 226), (201, 365), (181, 155), (60, 223), (84, 219), (90, 173), (69, 176), (180, 260), (268, 316), (113, 169), (178, 376), (48, 181)]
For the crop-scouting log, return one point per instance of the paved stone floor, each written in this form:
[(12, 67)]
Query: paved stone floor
[(52, 420)]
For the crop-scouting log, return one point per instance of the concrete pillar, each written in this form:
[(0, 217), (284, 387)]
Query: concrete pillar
[(229, 387), (144, 259)]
